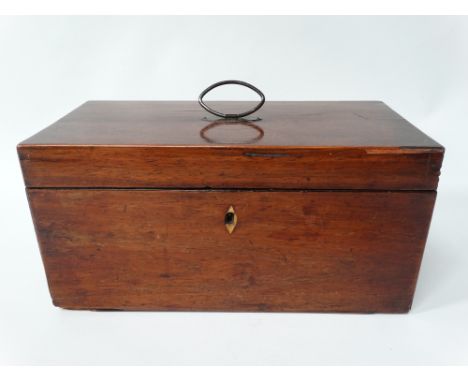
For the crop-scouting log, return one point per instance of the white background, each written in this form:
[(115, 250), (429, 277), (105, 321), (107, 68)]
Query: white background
[(417, 65)]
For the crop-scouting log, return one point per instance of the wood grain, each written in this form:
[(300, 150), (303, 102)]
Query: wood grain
[(333, 203), (145, 167), (286, 124), (305, 145), (291, 251)]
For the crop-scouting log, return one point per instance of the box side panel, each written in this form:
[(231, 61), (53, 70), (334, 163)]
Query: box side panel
[(217, 167), (290, 251)]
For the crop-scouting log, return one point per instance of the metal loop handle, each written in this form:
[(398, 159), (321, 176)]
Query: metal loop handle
[(230, 82)]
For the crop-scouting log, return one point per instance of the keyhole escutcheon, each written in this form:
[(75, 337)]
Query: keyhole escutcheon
[(230, 220)]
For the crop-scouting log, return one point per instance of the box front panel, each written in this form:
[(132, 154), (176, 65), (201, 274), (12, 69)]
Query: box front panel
[(342, 168), (326, 251)]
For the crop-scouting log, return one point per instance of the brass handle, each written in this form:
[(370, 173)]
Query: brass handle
[(231, 82)]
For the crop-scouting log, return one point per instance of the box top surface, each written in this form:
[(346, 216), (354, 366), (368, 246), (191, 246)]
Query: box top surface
[(181, 123)]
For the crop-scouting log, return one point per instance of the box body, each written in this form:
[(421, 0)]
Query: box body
[(332, 202)]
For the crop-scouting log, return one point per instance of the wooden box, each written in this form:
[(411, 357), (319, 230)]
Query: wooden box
[(317, 207)]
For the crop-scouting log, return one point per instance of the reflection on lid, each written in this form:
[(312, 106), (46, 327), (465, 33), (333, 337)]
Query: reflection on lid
[(231, 134)]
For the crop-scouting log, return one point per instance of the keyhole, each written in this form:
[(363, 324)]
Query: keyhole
[(229, 218)]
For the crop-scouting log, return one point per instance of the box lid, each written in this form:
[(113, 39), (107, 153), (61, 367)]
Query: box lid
[(169, 144)]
